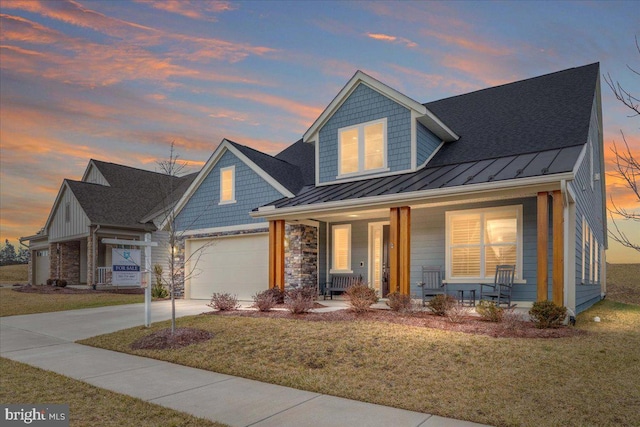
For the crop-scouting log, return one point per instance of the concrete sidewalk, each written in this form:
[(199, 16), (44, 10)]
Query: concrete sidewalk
[(47, 341)]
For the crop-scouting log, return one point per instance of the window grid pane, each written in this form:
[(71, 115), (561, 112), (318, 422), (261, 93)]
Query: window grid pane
[(341, 248), (227, 185), (373, 146), (349, 151)]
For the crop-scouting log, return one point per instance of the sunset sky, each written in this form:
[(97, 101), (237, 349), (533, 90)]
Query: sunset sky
[(120, 80)]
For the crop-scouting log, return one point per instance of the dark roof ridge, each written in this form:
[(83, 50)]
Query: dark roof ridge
[(512, 83), (237, 145), (96, 161)]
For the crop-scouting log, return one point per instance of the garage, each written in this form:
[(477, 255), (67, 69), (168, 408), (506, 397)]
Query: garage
[(238, 265), (41, 267)]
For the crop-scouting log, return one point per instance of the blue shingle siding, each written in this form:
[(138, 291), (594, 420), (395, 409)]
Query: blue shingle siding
[(428, 244), (364, 105), (427, 143), (203, 211), (589, 200)]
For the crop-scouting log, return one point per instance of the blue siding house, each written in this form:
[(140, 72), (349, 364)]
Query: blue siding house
[(381, 185)]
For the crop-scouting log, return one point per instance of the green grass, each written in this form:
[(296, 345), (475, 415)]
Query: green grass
[(10, 274), (590, 379), (13, 303), (88, 405)]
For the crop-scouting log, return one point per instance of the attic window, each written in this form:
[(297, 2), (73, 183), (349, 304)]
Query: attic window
[(362, 148), (67, 212), (227, 185)]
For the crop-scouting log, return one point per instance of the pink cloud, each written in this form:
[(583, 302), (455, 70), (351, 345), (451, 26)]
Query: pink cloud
[(201, 9), (392, 39)]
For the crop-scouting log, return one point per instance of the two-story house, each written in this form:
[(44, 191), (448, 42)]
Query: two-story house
[(381, 185)]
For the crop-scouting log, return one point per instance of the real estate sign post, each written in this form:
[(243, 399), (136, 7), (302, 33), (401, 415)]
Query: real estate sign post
[(125, 266)]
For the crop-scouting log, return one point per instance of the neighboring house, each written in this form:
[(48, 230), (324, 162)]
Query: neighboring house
[(512, 174), (111, 201)]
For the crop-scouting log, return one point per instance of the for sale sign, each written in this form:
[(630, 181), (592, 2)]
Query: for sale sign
[(125, 267)]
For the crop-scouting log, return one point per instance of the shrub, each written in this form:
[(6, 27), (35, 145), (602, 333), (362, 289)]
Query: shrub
[(224, 302), (512, 320), (276, 293), (265, 300), (546, 314), (158, 290), (61, 283), (50, 282), (440, 304), (399, 302), (456, 313), (300, 299), (361, 297), (490, 311)]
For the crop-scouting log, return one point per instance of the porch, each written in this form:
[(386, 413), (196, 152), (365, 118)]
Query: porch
[(388, 246)]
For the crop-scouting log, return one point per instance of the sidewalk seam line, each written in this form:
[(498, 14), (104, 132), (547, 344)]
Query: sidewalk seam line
[(285, 410), (190, 389)]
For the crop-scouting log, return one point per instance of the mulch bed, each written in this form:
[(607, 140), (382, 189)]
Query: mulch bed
[(468, 324), (46, 289), (164, 339)]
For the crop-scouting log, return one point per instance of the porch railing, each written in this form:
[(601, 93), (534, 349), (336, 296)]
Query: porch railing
[(103, 275)]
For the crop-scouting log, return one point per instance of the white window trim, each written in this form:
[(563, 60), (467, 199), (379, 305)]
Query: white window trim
[(233, 185), (519, 244), (333, 249), (361, 170)]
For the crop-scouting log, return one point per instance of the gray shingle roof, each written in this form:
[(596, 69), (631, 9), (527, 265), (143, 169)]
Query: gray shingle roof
[(133, 194), (529, 128), (302, 155), (528, 116), (289, 175)]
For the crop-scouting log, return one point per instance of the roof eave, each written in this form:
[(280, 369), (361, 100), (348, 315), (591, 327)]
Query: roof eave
[(412, 197)]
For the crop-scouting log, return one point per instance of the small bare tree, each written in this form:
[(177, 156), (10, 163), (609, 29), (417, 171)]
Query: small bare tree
[(627, 164), (180, 268)]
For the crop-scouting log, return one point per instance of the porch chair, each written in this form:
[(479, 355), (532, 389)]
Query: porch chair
[(431, 284), (500, 289)]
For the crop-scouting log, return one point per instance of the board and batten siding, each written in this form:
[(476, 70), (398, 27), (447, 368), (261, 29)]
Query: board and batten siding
[(427, 144), (364, 105), (203, 209), (73, 226), (589, 200), (95, 177)]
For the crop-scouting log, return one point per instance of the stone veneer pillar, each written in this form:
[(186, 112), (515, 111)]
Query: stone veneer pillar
[(301, 255)]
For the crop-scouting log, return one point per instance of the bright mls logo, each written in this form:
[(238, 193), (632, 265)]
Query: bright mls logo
[(35, 415)]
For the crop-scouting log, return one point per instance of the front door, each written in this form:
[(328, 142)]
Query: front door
[(379, 257)]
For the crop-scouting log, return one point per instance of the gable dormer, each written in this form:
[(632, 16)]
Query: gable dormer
[(370, 129), (93, 175)]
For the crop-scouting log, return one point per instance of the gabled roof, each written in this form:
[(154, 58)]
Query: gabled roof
[(131, 196), (425, 116), (529, 131), (542, 113), (283, 172), (287, 172)]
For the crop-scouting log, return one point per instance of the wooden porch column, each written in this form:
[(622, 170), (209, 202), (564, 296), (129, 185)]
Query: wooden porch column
[(404, 264), (543, 246), (276, 254), (394, 245), (557, 290), (400, 250)]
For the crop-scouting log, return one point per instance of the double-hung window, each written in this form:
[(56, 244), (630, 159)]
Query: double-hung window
[(341, 245), (362, 148), (480, 239), (228, 185)]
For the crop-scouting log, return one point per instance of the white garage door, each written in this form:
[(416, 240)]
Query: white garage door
[(238, 265), (41, 273)]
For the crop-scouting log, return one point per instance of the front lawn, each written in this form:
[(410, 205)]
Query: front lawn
[(88, 405), (13, 303), (588, 379)]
